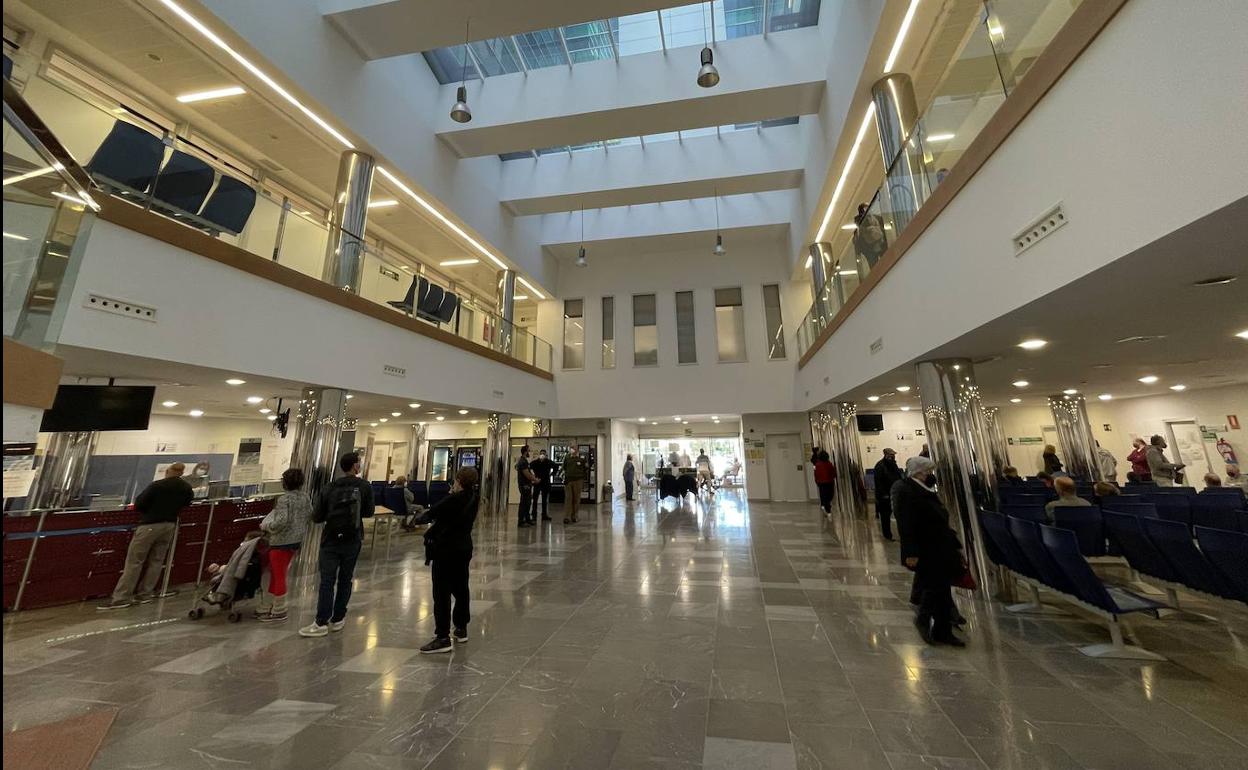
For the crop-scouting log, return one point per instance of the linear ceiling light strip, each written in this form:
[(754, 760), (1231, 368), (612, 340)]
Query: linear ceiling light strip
[(849, 162), (271, 83)]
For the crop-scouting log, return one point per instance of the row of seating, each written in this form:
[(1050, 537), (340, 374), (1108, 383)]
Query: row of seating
[(1217, 511), (392, 497), (1048, 557), (131, 163), (1216, 563), (428, 301)]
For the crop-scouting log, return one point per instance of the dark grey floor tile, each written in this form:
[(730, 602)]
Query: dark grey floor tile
[(463, 754), (931, 734), (747, 720), (820, 747)]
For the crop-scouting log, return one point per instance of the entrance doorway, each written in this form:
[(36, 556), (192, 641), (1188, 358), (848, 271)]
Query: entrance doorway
[(786, 476), (1187, 447)]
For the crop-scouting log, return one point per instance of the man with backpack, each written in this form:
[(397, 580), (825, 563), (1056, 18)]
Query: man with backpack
[(342, 509)]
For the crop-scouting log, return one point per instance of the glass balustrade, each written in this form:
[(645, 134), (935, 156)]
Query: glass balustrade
[(1001, 42), (146, 164)]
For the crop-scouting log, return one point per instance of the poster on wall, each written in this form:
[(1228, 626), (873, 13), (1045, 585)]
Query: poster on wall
[(246, 475), (196, 475), (19, 469)]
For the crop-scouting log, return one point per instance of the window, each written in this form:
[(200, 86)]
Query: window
[(686, 342), (774, 321), (730, 325), (573, 334), (608, 332), (645, 331)]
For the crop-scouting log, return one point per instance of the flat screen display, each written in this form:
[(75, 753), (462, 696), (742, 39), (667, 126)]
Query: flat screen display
[(870, 423), (99, 407)]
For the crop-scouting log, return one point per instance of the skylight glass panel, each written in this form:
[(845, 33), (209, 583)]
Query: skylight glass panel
[(591, 41), (624, 141), (447, 64), (552, 150), (496, 57), (686, 26), (587, 146), (669, 136), (791, 14), (524, 155), (693, 133), (741, 18), (638, 33), (541, 48)]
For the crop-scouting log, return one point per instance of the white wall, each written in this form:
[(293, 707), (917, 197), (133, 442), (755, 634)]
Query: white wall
[(1096, 145), (754, 430), (707, 387), (212, 315), (898, 434)]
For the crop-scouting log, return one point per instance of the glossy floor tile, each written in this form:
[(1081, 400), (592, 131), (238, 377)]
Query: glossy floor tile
[(715, 634)]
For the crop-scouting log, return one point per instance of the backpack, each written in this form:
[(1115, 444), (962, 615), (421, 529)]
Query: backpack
[(342, 518)]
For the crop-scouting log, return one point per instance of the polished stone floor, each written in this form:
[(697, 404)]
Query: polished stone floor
[(716, 635)]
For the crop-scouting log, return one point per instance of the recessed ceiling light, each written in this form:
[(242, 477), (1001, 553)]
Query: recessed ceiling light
[(16, 237), (849, 227), (1219, 280), (1021, 383), (1016, 401), (1149, 379), (216, 93), (440, 418), (265, 410), (196, 413), (905, 409), (1032, 344), (383, 204), (1178, 387), (350, 396), (1070, 391), (463, 411), (396, 414), (432, 411), (873, 398), (684, 422), (901, 36), (474, 422), (940, 137), (458, 262), (235, 381), (255, 400), (1242, 335), (1105, 396), (373, 424), (654, 423), (520, 297), (903, 388)]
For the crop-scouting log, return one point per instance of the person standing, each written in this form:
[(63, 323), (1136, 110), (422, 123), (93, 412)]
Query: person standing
[(886, 474), (1052, 465), (630, 476), (1139, 460), (573, 482), (706, 471), (448, 548), (825, 479), (1108, 464), (286, 525), (526, 480), (158, 506), (1164, 472), (542, 467), (342, 509), (931, 549)]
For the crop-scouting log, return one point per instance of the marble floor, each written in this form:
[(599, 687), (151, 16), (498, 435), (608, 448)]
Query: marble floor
[(718, 634)]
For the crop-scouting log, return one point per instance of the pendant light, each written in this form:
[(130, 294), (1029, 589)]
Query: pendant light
[(580, 255), (708, 75), (719, 249), (460, 113)]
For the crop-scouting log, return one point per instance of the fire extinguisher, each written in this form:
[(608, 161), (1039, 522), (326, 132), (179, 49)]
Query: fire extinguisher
[(1227, 451)]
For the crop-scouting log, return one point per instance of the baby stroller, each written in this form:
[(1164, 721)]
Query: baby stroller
[(237, 580)]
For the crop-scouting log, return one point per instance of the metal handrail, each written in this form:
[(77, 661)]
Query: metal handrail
[(27, 123)]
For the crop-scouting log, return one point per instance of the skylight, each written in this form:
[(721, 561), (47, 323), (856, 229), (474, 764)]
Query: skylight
[(685, 25), (669, 136)]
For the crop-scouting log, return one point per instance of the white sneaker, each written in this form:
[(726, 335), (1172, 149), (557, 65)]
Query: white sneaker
[(315, 629), (337, 626)]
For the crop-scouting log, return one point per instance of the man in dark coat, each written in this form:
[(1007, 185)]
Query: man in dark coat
[(886, 474), (931, 549)]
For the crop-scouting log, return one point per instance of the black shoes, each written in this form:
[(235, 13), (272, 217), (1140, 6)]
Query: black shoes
[(460, 635), (950, 640), (925, 630), (438, 645), (546, 518)]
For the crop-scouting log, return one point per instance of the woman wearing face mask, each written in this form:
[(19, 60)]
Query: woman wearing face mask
[(448, 547)]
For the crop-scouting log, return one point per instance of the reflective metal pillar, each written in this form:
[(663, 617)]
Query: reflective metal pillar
[(63, 469), (541, 428), (820, 264), (998, 447), (957, 436), (1074, 436), (506, 309), (822, 425), (344, 250), (417, 447), (496, 463), (851, 489), (318, 432), (901, 145)]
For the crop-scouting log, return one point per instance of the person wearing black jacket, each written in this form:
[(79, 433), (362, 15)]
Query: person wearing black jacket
[(886, 474), (448, 547), (931, 549), (342, 508), (542, 467), (158, 506)]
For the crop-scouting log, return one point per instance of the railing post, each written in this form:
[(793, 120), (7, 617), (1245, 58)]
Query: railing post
[(173, 549), (30, 560), (281, 229), (203, 551)]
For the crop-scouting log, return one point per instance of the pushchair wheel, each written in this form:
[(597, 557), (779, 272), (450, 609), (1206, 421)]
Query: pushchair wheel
[(235, 616), (196, 613)]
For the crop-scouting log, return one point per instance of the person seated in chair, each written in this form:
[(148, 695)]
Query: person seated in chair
[(1066, 497), (1102, 490), (1010, 477), (1234, 478)]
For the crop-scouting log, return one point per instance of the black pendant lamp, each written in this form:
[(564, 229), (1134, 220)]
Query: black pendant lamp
[(719, 249), (460, 113), (580, 255), (708, 75)]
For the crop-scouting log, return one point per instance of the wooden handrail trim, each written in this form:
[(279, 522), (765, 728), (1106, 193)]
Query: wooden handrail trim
[(31, 376)]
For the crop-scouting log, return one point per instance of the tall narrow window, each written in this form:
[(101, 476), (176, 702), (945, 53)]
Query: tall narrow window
[(686, 341), (730, 325), (608, 332), (774, 320), (573, 334), (645, 331)]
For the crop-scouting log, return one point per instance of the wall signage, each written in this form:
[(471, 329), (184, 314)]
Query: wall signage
[(393, 371), (1031, 439)]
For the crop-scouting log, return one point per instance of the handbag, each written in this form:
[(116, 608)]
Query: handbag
[(965, 580)]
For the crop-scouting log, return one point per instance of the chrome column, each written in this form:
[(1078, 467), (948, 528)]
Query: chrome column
[(960, 446), (998, 447), (417, 446), (1074, 436), (851, 489), (820, 264), (63, 469), (822, 425), (541, 428), (318, 427), (506, 310), (496, 463), (901, 145), (344, 250)]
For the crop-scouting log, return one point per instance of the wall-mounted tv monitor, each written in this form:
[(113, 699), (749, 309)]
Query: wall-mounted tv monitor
[(99, 407), (870, 423)]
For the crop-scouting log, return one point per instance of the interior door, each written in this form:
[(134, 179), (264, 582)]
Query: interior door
[(786, 468), (379, 462), (1187, 447)]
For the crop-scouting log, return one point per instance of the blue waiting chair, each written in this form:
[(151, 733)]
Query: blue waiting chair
[(430, 297), (379, 492), (396, 501), (1228, 552), (1172, 507), (1087, 525), (420, 492), (1128, 533), (183, 184), (1026, 511), (1027, 535), (1181, 491), (408, 303), (997, 530), (1147, 510), (1218, 511), (446, 311), (230, 206), (1110, 602), (127, 160), (1174, 541)]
